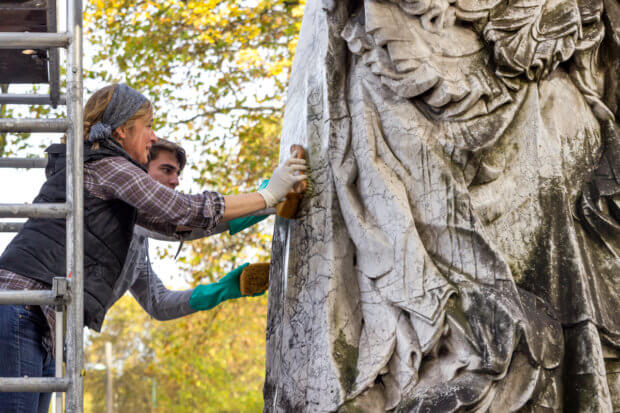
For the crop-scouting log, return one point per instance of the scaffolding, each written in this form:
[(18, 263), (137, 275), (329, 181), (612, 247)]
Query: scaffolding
[(66, 293)]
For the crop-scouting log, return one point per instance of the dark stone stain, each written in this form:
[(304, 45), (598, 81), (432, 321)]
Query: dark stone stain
[(345, 356)]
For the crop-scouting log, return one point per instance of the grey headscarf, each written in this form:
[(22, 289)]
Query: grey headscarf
[(124, 103)]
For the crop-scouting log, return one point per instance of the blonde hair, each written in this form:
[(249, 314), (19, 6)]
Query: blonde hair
[(98, 102)]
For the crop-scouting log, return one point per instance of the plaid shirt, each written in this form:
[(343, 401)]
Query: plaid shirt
[(159, 208)]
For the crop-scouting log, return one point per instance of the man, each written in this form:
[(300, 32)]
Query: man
[(165, 164)]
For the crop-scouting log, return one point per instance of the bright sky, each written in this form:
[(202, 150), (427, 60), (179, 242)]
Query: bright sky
[(22, 185)]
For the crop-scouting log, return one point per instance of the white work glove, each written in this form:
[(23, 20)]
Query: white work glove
[(282, 181)]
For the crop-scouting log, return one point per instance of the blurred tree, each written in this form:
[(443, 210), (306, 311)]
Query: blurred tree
[(13, 143), (209, 361), (216, 71), (128, 328)]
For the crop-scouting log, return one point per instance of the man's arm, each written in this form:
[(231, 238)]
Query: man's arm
[(190, 235), (163, 304), (159, 302)]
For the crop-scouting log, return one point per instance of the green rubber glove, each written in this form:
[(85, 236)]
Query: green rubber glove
[(239, 224), (207, 296)]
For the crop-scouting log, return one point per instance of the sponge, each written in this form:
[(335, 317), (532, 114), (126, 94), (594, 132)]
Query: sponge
[(288, 207), (254, 279)]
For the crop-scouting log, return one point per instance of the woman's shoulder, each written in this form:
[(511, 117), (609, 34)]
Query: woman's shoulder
[(109, 175), (112, 164)]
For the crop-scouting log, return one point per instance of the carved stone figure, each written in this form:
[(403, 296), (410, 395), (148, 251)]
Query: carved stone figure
[(460, 245)]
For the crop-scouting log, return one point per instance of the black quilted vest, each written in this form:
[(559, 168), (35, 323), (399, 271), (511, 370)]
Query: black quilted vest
[(38, 250)]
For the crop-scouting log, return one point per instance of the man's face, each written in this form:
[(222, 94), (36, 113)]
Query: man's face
[(165, 169)]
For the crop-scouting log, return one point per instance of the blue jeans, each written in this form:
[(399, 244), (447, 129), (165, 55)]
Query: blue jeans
[(22, 354)]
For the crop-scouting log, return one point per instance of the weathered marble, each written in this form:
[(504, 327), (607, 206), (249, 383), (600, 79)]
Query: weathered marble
[(459, 245)]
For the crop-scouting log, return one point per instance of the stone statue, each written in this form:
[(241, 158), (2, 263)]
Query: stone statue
[(460, 245)]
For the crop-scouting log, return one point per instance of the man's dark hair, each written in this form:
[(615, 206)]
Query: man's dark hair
[(166, 145)]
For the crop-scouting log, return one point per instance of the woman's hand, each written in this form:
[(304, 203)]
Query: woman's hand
[(282, 181), (280, 184)]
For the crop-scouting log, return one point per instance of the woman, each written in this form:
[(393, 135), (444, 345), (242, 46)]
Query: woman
[(118, 194)]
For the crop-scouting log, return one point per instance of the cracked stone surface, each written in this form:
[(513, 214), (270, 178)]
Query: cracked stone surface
[(458, 248)]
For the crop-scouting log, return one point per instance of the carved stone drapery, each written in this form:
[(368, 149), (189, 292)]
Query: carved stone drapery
[(459, 245)]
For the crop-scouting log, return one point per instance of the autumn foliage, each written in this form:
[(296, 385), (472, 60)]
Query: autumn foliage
[(217, 73), (207, 362)]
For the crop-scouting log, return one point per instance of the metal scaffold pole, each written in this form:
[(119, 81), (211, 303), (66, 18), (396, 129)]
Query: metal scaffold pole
[(67, 293), (75, 218)]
